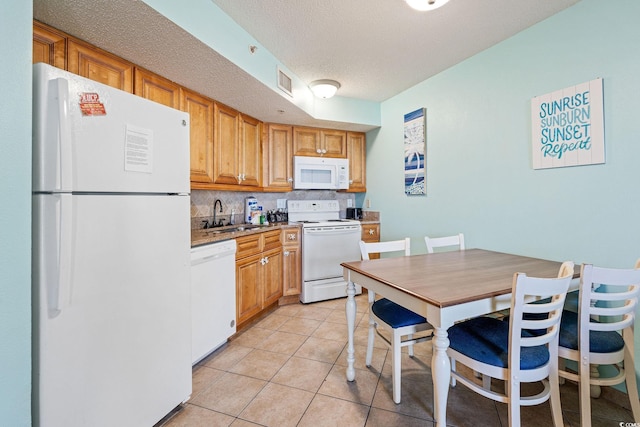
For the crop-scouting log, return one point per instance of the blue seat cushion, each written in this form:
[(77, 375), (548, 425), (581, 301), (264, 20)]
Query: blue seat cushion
[(599, 341), (395, 315), (487, 340)]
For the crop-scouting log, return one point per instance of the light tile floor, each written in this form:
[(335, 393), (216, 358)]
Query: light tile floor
[(288, 369)]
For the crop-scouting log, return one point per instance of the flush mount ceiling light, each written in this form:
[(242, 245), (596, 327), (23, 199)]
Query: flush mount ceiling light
[(324, 88), (423, 5)]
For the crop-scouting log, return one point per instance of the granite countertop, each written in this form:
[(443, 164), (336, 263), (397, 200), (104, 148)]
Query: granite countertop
[(218, 234), (203, 236)]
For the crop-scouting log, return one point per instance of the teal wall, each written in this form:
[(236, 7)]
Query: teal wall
[(479, 175), (15, 213)]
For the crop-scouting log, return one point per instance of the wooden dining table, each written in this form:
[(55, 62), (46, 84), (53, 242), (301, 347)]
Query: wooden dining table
[(444, 287)]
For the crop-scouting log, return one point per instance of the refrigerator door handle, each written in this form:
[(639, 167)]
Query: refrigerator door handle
[(60, 286), (65, 171)]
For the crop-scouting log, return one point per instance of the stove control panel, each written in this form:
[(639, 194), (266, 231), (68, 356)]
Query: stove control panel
[(313, 206)]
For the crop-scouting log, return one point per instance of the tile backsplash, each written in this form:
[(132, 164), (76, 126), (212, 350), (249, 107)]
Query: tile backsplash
[(233, 201)]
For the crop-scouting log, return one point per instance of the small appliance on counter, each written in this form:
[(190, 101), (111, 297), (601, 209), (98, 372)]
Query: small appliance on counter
[(354, 213), (251, 210)]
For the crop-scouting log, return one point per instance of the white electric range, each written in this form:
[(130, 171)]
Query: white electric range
[(327, 241)]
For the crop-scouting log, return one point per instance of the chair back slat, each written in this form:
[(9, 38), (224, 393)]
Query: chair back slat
[(525, 287), (403, 245), (617, 289), (441, 242)]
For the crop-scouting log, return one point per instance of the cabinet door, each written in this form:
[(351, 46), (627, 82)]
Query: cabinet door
[(291, 261), (225, 143), (200, 110), (333, 143), (156, 88), (248, 288), (356, 153), (49, 45), (291, 270), (250, 151), (278, 160), (272, 276), (306, 141), (371, 233), (95, 64)]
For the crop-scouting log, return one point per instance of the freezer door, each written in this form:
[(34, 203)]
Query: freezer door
[(89, 137), (112, 340)]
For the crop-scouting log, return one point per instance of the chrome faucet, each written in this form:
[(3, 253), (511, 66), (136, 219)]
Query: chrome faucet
[(221, 222)]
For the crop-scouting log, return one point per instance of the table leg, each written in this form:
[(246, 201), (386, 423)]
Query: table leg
[(441, 369), (351, 322)]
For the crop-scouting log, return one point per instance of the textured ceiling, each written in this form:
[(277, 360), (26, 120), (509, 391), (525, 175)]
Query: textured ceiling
[(379, 48), (374, 48)]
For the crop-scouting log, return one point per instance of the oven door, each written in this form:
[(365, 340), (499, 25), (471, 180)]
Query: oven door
[(324, 248)]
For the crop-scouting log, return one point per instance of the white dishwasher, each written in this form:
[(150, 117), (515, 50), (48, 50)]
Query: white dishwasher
[(213, 297)]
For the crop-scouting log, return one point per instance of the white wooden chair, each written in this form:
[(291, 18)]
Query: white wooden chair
[(601, 333), (442, 242), (522, 350), (448, 242), (398, 321)]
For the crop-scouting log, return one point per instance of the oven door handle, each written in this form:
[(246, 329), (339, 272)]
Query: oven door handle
[(332, 232)]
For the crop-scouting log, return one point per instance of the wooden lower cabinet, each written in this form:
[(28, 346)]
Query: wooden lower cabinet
[(258, 274), (291, 262), (371, 233)]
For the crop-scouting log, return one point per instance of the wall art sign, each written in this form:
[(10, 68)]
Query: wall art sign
[(568, 127), (415, 137)]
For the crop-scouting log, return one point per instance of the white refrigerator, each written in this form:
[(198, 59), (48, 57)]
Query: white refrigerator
[(111, 255)]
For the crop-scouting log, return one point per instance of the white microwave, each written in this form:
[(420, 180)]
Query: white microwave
[(320, 173)]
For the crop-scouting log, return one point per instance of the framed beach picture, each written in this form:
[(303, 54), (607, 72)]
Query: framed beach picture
[(415, 144)]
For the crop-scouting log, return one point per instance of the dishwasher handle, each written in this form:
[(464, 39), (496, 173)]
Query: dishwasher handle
[(214, 251)]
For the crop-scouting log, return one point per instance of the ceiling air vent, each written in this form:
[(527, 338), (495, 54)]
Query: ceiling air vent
[(284, 82)]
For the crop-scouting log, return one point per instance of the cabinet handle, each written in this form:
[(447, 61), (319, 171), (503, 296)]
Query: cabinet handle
[(291, 236), (286, 253), (372, 232), (319, 151), (239, 178), (289, 179), (324, 151)]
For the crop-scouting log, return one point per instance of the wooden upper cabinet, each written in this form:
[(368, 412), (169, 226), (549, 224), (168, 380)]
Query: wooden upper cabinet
[(237, 152), (49, 45), (278, 163), (306, 141), (356, 153), (98, 65), (225, 145), (156, 88), (200, 111), (319, 142), (333, 143), (250, 151)]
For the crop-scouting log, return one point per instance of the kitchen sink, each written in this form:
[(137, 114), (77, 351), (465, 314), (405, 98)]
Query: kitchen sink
[(228, 229)]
